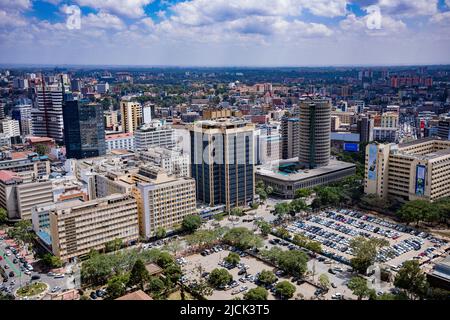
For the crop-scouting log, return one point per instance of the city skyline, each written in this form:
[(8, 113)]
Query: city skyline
[(225, 33)]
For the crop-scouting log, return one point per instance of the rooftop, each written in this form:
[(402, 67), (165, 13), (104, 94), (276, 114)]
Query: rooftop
[(271, 170), (137, 295)]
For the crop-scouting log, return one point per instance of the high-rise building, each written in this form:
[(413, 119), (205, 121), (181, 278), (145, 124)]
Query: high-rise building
[(410, 171), (223, 162), (47, 115), (84, 131), (290, 137), (131, 115), (155, 134), (163, 200), (22, 113), (365, 129), (443, 130), (315, 130), (9, 127), (76, 227)]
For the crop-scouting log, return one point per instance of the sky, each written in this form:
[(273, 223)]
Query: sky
[(225, 32)]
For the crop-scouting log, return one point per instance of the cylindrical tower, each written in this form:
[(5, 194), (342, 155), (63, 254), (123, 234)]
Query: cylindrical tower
[(315, 129)]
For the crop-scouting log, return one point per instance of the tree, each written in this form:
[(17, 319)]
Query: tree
[(264, 227), (155, 285), (314, 246), (266, 277), (191, 223), (173, 274), (242, 238), (438, 294), (255, 205), (52, 261), (174, 246), (262, 194), (233, 258), (411, 278), (202, 288), (285, 290), (293, 262), (365, 251), (41, 149), (359, 287), (297, 205), (302, 193), (22, 232), (300, 240), (282, 209), (139, 275), (219, 278), (113, 245), (160, 232), (418, 210), (116, 286), (257, 293), (324, 280), (269, 190), (282, 233), (238, 212), (3, 216), (164, 260)]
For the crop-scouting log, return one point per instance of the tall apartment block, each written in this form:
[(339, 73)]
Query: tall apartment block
[(163, 200), (132, 117), (315, 131), (290, 137), (47, 115), (76, 227), (223, 162), (84, 129), (408, 171), (443, 130)]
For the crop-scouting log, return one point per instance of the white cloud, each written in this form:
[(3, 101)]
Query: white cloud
[(389, 26), (447, 2), (128, 8), (9, 20), (15, 4), (102, 20), (441, 18)]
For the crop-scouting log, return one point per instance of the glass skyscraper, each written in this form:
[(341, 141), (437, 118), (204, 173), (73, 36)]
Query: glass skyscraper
[(84, 129)]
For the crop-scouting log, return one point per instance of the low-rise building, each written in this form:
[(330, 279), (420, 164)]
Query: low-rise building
[(172, 161), (123, 141)]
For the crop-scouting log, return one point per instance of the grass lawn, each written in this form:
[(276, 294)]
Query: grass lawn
[(32, 289), (177, 296)]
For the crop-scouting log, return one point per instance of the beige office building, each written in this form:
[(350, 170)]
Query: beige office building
[(77, 227), (409, 171), (163, 200), (19, 192), (131, 116)]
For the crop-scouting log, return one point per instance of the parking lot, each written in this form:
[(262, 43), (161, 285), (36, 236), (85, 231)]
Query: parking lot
[(334, 229)]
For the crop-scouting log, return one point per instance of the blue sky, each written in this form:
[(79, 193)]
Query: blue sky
[(225, 32)]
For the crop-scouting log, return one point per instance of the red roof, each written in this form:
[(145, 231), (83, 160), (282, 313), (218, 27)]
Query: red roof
[(6, 175), (40, 139)]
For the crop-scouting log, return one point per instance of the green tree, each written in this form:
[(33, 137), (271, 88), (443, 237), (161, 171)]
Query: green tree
[(155, 285), (314, 246), (139, 275), (293, 262), (411, 278), (282, 209), (264, 227), (262, 194), (255, 206), (297, 205), (238, 212), (3, 216), (282, 233), (438, 294), (160, 232), (365, 251), (52, 261), (242, 238), (165, 259), (418, 210), (267, 277), (219, 278), (324, 280), (232, 258), (359, 287), (113, 245), (202, 288), (302, 193), (285, 290), (41, 149), (116, 286), (173, 273), (191, 223), (257, 293)]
